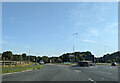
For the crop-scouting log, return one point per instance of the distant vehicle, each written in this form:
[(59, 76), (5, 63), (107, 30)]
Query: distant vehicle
[(84, 63), (92, 64), (66, 62), (41, 62), (114, 64)]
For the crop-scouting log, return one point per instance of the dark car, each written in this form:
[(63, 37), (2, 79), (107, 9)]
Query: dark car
[(92, 64), (84, 63), (114, 64)]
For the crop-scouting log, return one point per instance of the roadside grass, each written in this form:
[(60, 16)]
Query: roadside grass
[(103, 63), (17, 69)]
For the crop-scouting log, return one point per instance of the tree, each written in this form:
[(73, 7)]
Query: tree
[(52, 59), (59, 60), (8, 55), (113, 60), (45, 59), (39, 59), (32, 58), (21, 58), (109, 61), (24, 56), (83, 58)]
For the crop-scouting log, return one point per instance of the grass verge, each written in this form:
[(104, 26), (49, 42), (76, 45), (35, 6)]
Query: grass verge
[(17, 69)]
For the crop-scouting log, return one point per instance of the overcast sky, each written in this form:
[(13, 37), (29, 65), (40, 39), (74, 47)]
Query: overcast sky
[(48, 28)]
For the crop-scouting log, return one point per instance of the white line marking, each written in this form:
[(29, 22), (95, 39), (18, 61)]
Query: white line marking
[(77, 71), (91, 80), (104, 72), (108, 73), (103, 78)]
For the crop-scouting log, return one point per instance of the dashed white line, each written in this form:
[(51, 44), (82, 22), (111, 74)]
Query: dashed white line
[(103, 78), (77, 71), (91, 80), (105, 72), (108, 73)]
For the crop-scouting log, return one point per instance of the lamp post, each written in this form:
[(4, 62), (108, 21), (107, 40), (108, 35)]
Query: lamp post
[(29, 55), (74, 34)]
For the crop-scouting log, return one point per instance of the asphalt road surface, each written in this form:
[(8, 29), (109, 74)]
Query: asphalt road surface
[(52, 72)]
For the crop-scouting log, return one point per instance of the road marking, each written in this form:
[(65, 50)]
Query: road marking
[(91, 80), (103, 78), (108, 73), (104, 72), (77, 71), (91, 67)]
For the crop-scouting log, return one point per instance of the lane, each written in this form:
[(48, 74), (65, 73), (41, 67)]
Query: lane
[(99, 72), (42, 74), (52, 72), (47, 73)]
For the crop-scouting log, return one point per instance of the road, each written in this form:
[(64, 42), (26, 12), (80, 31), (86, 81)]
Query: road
[(52, 72)]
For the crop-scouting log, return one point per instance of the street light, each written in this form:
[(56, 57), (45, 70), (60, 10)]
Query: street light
[(29, 53), (74, 34)]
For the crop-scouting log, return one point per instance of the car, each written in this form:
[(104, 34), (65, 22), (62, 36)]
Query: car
[(84, 63), (92, 64), (114, 64), (67, 62), (41, 62)]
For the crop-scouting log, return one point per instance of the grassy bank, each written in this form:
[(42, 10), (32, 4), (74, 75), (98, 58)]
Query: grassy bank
[(19, 69)]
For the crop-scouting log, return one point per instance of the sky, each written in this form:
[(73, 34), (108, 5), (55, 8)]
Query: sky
[(48, 28)]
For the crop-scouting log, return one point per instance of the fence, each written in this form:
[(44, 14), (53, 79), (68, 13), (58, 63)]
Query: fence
[(14, 63)]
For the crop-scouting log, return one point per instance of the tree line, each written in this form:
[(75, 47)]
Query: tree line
[(108, 58), (78, 56)]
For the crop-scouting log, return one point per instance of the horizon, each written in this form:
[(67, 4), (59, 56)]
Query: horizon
[(59, 55), (96, 25)]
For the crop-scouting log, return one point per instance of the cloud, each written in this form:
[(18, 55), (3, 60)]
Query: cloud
[(89, 41)]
